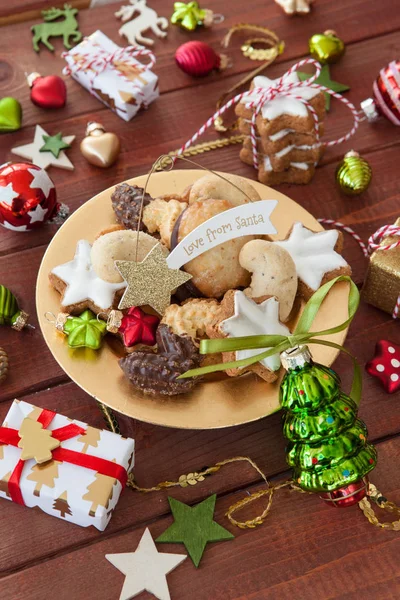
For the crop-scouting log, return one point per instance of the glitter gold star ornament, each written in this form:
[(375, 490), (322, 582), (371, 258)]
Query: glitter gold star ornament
[(145, 569), (150, 282), (40, 155)]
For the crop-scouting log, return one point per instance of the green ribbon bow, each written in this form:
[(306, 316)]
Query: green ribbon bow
[(189, 16), (279, 343)]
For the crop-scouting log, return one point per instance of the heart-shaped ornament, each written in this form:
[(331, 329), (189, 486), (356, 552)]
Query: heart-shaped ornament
[(10, 114), (47, 92), (99, 147), (326, 47)]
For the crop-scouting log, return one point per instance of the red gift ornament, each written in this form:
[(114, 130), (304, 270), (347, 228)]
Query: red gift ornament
[(199, 59), (348, 495), (47, 92), (386, 100), (28, 198), (137, 327)]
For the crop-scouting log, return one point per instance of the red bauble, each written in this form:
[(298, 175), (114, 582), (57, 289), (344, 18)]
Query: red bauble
[(348, 495), (386, 99), (27, 197), (386, 365), (137, 327), (199, 59), (47, 92)]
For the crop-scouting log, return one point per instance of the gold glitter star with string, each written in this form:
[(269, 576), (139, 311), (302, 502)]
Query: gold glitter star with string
[(150, 281)]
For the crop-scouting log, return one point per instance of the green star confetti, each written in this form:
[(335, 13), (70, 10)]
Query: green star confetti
[(194, 527), (85, 331), (54, 144), (325, 79)]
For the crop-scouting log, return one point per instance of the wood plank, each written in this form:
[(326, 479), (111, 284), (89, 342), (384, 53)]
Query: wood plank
[(174, 117), (262, 441), (304, 545), (372, 21)]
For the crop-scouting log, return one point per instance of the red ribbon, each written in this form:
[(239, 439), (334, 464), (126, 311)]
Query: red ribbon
[(100, 465)]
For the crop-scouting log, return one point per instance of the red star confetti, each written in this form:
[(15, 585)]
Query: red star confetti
[(386, 365), (138, 328)]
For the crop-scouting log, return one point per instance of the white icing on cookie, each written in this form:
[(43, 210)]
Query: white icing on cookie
[(313, 253), (83, 283), (255, 319), (281, 134), (281, 104), (296, 165)]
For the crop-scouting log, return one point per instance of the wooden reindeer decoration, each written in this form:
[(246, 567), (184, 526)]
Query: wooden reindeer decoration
[(66, 28), (147, 19)]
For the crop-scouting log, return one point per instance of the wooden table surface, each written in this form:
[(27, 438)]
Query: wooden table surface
[(305, 549)]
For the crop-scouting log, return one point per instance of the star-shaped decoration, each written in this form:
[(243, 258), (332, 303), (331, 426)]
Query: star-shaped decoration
[(7, 194), (44, 160), (251, 318), (82, 282), (150, 281), (41, 181), (85, 331), (324, 78), (54, 144), (38, 214), (137, 327), (145, 569), (313, 253), (195, 527), (386, 365)]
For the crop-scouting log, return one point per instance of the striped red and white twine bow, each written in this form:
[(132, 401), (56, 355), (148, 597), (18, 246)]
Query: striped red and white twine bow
[(374, 244), (99, 60), (280, 88)]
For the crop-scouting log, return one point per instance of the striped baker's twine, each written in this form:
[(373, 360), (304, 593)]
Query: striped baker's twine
[(373, 244), (265, 95)]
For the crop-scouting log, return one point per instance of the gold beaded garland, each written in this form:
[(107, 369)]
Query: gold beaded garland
[(353, 174)]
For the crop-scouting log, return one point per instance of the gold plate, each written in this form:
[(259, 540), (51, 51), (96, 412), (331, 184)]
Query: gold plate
[(214, 404)]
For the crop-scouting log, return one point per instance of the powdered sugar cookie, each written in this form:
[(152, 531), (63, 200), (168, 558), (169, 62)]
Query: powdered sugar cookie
[(119, 245), (273, 274), (212, 186), (81, 288), (241, 316), (316, 256)]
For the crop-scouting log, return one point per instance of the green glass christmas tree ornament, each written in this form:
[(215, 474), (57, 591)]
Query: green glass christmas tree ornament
[(10, 313), (85, 331), (327, 445)]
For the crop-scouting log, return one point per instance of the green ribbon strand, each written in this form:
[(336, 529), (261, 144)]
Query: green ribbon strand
[(279, 343)]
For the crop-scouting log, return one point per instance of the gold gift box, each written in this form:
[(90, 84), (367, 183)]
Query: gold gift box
[(382, 282)]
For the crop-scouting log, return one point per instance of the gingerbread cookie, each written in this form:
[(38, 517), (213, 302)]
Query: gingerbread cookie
[(241, 316), (216, 270), (316, 256), (81, 288), (281, 161), (273, 274), (270, 144), (284, 111), (298, 173), (119, 245), (192, 317), (212, 186)]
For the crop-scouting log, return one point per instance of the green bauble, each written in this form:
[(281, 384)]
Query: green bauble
[(327, 445), (9, 310), (85, 331)]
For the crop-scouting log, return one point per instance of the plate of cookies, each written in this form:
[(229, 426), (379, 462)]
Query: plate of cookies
[(133, 281)]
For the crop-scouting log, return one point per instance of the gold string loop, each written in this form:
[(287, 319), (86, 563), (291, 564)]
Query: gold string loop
[(375, 496)]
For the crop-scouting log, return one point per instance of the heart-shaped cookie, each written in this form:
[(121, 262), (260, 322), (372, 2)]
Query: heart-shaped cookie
[(10, 114)]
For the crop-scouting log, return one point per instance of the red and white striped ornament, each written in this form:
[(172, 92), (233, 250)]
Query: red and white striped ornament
[(386, 100)]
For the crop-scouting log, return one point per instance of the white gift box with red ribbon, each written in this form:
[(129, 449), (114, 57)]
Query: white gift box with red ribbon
[(113, 74), (82, 481)]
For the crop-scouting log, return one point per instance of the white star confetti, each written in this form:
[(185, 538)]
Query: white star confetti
[(41, 181)]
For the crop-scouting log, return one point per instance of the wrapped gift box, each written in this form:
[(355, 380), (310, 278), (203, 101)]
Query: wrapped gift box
[(72, 485), (382, 282), (112, 74)]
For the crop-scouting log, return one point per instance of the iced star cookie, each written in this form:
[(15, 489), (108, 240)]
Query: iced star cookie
[(284, 111), (273, 274), (316, 256), (271, 144), (241, 316), (298, 173), (81, 288), (281, 160)]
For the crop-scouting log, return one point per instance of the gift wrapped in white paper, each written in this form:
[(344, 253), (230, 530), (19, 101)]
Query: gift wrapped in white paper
[(75, 493), (113, 74)]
